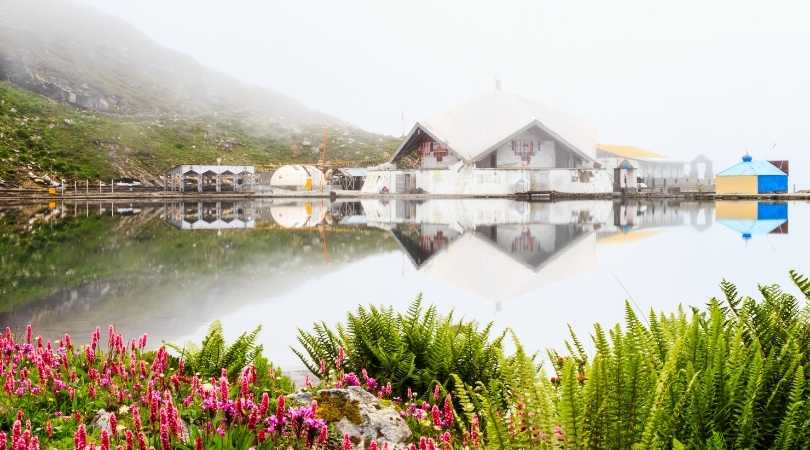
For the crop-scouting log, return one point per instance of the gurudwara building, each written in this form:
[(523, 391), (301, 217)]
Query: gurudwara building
[(496, 144)]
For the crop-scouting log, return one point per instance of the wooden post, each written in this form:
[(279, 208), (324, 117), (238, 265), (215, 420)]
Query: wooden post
[(99, 189), (75, 188), (112, 185)]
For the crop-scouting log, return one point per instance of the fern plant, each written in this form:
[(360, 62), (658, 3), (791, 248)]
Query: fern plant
[(214, 354), (729, 375), (417, 349)]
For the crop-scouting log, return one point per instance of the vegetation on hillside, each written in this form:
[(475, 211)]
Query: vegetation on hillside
[(43, 137)]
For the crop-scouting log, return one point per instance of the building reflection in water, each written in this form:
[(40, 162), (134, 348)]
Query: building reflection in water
[(752, 218), (218, 215), (495, 248)]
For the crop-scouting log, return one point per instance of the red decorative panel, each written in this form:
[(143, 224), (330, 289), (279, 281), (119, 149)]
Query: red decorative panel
[(524, 149), (525, 242), (430, 244), (428, 147), (439, 152)]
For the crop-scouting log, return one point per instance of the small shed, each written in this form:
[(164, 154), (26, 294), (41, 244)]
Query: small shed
[(624, 177), (350, 178), (751, 177), (298, 178)]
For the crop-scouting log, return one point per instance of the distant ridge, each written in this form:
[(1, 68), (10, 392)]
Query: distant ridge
[(127, 106), (74, 53)]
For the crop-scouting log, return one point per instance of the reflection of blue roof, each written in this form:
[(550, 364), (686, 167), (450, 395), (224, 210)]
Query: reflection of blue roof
[(751, 168), (753, 227)]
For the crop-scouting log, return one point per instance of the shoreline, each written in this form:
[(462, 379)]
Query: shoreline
[(10, 195)]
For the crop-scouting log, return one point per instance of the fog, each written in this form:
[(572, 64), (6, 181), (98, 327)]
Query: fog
[(681, 78)]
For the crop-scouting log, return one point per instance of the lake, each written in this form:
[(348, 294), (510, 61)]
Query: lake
[(170, 269)]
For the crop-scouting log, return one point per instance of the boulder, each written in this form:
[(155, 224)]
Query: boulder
[(102, 421), (360, 414)]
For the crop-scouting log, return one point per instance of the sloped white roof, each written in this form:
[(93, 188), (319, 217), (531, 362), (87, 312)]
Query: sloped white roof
[(473, 128)]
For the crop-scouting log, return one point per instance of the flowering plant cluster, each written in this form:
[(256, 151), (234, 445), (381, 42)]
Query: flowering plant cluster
[(148, 402)]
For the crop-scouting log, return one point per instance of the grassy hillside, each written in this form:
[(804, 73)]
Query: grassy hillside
[(41, 136)]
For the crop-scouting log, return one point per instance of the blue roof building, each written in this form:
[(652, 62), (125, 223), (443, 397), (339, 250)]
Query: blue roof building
[(751, 177)]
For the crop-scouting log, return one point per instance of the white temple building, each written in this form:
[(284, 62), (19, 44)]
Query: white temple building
[(497, 144)]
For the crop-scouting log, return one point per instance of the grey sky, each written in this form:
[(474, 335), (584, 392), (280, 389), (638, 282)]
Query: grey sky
[(682, 78)]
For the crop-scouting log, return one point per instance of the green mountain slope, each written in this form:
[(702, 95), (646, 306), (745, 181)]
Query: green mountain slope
[(125, 106), (41, 137)]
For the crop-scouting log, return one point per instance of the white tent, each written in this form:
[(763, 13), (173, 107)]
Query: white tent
[(298, 177)]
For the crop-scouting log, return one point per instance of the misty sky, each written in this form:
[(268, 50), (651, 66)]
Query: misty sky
[(687, 77)]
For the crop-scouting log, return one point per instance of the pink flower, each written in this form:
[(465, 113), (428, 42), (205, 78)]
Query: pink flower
[(265, 404), (373, 445), (448, 413), (105, 440), (347, 443), (130, 438), (437, 416), (113, 425), (136, 417), (350, 379), (141, 440), (280, 408), (164, 430), (340, 357), (80, 438), (223, 388)]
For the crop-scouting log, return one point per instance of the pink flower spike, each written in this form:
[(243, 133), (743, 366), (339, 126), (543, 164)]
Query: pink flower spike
[(105, 440), (437, 416)]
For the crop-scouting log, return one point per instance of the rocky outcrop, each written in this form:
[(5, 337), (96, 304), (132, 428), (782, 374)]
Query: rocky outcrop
[(360, 414)]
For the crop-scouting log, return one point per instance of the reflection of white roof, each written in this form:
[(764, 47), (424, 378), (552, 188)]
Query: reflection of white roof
[(503, 277), (299, 215), (477, 126)]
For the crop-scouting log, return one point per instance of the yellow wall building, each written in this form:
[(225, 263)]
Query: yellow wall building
[(736, 184)]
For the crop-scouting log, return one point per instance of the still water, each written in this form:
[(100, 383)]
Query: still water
[(170, 269)]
